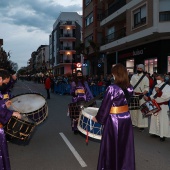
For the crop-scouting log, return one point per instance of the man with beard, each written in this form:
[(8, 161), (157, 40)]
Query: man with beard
[(140, 90)]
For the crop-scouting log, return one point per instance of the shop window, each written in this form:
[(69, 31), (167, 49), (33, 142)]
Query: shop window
[(130, 66), (151, 65), (168, 64), (139, 16)]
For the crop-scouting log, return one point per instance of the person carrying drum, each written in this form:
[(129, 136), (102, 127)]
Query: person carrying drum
[(5, 115), (80, 92), (160, 122), (117, 143), (141, 87)]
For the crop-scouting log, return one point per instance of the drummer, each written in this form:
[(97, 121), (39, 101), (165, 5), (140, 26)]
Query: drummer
[(159, 124), (80, 91), (142, 88), (5, 115)]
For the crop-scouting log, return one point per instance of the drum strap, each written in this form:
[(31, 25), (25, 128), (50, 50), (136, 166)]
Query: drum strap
[(138, 82), (156, 95)]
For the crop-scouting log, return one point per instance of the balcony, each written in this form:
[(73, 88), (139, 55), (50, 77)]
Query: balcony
[(115, 7), (115, 36), (67, 61), (70, 37)]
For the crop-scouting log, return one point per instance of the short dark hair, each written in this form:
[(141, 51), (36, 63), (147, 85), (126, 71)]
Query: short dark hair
[(4, 74)]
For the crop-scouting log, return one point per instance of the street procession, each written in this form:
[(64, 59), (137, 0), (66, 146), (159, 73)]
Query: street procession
[(93, 93)]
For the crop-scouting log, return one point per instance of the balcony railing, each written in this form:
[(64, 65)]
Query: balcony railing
[(67, 35), (113, 9), (67, 48), (115, 36), (164, 16)]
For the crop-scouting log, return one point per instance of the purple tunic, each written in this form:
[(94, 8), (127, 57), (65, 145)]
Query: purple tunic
[(5, 115), (79, 97), (117, 145)]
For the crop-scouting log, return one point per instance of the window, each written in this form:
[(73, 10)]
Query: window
[(87, 39), (111, 34), (164, 10), (139, 16), (164, 16), (89, 19), (87, 2)]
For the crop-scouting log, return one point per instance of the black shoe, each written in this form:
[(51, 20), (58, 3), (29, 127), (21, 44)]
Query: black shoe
[(76, 132), (162, 139), (141, 129)]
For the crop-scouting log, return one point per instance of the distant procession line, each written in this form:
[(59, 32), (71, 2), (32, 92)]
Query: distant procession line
[(75, 153)]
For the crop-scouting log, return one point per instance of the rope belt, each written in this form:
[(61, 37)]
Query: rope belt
[(1, 125), (165, 103), (80, 91), (119, 109)]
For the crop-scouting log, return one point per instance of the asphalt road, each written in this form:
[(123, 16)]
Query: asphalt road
[(53, 146)]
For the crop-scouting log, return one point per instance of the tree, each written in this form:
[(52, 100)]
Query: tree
[(7, 64)]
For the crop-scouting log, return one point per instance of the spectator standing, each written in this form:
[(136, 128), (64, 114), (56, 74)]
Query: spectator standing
[(48, 86)]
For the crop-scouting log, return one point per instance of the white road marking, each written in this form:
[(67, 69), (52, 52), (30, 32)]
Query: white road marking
[(75, 153)]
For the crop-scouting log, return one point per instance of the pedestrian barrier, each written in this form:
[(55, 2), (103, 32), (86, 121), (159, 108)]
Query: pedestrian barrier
[(63, 88)]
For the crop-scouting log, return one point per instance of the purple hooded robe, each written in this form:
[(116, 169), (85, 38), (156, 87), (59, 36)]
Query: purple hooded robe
[(117, 144), (79, 97), (5, 115)]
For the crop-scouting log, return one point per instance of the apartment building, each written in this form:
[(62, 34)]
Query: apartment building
[(93, 32), (135, 31), (64, 39)]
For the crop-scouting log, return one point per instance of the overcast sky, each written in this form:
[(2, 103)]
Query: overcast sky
[(27, 24)]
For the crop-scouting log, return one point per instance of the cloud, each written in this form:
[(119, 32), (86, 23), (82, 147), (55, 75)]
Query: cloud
[(26, 24)]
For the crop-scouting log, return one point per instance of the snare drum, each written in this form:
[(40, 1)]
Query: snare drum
[(33, 105), (134, 103), (20, 129), (85, 124), (148, 108), (75, 109)]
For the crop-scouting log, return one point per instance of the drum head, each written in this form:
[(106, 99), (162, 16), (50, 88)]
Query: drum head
[(90, 111), (26, 103)]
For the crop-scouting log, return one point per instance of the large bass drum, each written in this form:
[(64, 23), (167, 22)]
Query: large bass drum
[(19, 129), (33, 105)]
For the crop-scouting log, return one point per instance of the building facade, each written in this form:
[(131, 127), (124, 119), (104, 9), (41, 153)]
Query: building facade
[(64, 39), (134, 32)]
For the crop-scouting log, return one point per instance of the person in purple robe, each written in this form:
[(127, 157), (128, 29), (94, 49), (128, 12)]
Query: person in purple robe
[(5, 115), (117, 143), (80, 92)]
